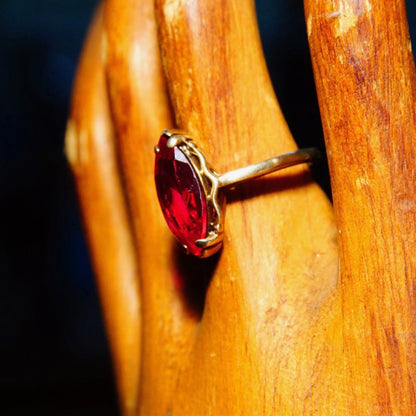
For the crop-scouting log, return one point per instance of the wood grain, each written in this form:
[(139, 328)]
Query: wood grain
[(90, 149), (365, 79), (276, 323), (141, 110), (262, 337)]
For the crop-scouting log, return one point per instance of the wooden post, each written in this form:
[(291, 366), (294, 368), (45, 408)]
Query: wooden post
[(268, 303), (91, 152), (365, 79)]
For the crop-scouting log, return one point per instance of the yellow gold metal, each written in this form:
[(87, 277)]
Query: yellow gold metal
[(267, 166), (212, 182)]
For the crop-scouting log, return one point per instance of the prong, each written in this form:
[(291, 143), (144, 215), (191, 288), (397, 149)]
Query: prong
[(185, 247), (209, 241), (167, 133), (156, 149), (173, 141)]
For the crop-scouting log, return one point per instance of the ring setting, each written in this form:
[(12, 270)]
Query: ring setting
[(190, 190)]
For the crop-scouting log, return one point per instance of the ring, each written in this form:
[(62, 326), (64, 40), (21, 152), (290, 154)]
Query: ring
[(188, 189)]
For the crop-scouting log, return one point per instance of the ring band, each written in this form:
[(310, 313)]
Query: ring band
[(188, 189)]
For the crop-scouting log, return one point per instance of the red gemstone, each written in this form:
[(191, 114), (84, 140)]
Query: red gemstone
[(181, 196)]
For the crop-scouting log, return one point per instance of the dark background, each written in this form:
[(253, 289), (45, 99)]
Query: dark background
[(54, 358)]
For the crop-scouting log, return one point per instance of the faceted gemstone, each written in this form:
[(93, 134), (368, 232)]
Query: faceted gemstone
[(181, 196)]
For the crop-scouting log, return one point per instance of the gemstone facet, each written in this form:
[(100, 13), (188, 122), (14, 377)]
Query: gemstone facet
[(181, 195)]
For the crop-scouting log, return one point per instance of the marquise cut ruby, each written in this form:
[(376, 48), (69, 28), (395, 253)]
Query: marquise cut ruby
[(181, 196)]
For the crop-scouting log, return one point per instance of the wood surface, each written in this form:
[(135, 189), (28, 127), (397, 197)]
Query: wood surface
[(365, 79), (91, 152), (277, 323)]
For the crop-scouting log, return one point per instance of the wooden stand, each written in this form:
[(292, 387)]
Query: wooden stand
[(278, 323)]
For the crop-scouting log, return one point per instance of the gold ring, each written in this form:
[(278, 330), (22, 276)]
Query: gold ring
[(188, 189)]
